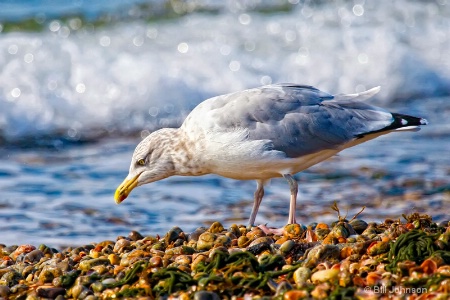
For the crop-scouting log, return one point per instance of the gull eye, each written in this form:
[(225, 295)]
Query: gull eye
[(141, 162)]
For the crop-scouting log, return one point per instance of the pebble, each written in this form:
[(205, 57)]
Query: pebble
[(206, 241), (206, 295), (4, 291), (50, 292)]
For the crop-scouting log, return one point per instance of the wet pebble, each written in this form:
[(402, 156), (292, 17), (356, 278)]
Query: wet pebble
[(121, 245), (216, 227), (359, 225), (135, 236), (172, 235), (195, 235), (4, 291), (324, 275), (206, 241), (34, 256), (50, 292), (287, 246), (301, 276), (86, 265), (206, 295)]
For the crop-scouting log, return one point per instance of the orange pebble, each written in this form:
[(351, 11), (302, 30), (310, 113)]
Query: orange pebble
[(409, 226), (373, 278), (429, 266), (281, 240), (385, 239), (295, 294), (346, 252), (322, 226), (358, 281), (342, 240)]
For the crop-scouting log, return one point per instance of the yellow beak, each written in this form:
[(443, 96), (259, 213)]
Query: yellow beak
[(125, 189)]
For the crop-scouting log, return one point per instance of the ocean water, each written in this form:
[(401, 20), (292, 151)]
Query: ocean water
[(84, 83)]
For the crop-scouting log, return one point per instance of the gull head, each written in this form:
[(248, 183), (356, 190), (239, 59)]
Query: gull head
[(151, 161)]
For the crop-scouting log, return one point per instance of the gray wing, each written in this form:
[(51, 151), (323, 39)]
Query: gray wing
[(298, 120)]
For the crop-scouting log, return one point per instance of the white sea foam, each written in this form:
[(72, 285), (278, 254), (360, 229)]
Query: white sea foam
[(136, 75)]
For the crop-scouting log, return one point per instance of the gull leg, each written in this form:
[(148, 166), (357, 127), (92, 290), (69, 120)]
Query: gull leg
[(259, 194), (293, 185)]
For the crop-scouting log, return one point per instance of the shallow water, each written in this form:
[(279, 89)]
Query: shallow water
[(74, 102)]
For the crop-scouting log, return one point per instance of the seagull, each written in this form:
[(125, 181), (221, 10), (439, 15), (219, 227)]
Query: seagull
[(261, 133)]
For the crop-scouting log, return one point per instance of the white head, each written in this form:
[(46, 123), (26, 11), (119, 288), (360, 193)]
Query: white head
[(151, 161)]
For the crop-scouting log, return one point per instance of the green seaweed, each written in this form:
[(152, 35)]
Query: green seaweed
[(240, 272), (68, 279), (341, 293), (170, 280), (414, 245), (132, 292), (130, 276)]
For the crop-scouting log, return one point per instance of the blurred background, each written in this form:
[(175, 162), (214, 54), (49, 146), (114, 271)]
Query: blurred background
[(82, 82)]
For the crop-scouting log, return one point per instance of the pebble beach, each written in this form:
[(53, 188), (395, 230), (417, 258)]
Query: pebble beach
[(406, 258)]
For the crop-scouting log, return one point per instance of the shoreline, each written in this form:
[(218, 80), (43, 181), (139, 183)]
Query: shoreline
[(408, 256)]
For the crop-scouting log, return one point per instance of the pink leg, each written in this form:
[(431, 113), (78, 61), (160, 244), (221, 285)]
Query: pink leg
[(293, 185), (259, 194)]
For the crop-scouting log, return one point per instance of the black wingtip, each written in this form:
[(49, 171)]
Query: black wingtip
[(405, 120), (399, 122)]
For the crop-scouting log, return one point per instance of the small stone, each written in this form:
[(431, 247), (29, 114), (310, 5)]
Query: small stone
[(86, 265), (321, 253), (183, 259), (216, 227), (195, 235), (287, 246), (293, 231), (223, 240), (243, 241), (158, 246), (135, 236), (155, 261), (121, 245), (264, 239), (97, 287), (77, 290), (206, 295), (359, 225), (114, 259), (48, 273), (295, 294), (4, 291), (301, 275), (324, 275), (172, 235), (234, 229), (33, 256), (109, 281), (260, 244), (51, 292), (10, 278), (18, 288), (256, 232), (206, 241)]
